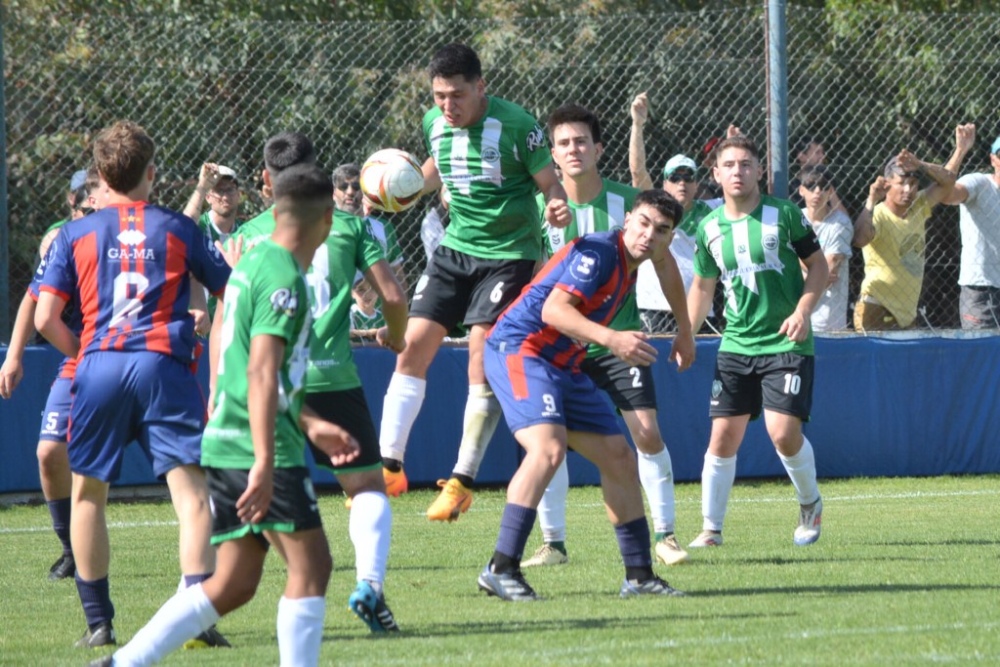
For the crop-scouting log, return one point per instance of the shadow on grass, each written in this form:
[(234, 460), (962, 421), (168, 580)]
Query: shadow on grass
[(542, 625), (842, 590)]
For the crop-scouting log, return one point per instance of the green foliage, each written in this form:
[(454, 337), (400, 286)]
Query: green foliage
[(904, 574)]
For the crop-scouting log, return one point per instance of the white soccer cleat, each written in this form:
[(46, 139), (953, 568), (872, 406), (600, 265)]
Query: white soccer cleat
[(669, 552), (810, 518), (707, 538), (546, 555)]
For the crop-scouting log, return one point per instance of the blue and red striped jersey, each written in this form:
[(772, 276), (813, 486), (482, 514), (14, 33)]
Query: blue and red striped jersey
[(129, 266), (593, 268)]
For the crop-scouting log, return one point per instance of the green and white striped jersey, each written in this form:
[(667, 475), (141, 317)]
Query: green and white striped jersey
[(488, 168), (760, 270)]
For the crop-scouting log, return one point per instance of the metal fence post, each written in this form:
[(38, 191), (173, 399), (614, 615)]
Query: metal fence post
[(777, 98)]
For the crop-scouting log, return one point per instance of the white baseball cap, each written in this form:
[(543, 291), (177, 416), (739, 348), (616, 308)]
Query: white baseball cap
[(679, 162), (226, 172)]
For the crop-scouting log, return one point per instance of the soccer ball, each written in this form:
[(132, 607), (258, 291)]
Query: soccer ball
[(391, 180)]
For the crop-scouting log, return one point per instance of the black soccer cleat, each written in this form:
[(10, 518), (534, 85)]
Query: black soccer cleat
[(100, 635), (64, 568), (210, 638)]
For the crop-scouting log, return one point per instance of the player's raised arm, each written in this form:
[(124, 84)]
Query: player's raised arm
[(432, 178), (637, 144)]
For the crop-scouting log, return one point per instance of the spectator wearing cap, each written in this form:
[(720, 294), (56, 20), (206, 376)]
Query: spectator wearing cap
[(219, 186), (892, 234), (680, 181), (834, 230), (76, 181), (978, 198)]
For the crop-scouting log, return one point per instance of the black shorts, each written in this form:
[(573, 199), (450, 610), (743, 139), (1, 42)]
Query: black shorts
[(779, 382), (347, 409), (293, 504), (630, 387), (461, 289)]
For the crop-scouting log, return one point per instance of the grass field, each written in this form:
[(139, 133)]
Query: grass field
[(906, 573)]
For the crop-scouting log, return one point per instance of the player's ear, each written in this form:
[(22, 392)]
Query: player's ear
[(598, 150), (481, 86)]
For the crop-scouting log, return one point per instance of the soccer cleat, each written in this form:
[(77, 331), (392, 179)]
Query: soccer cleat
[(509, 586), (707, 538), (102, 635), (654, 586), (396, 483), (211, 638), (546, 555), (669, 552), (454, 499), (372, 609), (63, 568), (106, 661), (810, 518)]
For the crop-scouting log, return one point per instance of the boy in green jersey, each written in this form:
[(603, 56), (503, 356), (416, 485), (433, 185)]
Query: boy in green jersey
[(491, 155), (254, 446), (754, 243), (599, 205)]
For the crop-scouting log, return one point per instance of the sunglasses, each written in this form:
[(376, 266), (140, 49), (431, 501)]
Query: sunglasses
[(681, 178), (813, 187), (343, 187)]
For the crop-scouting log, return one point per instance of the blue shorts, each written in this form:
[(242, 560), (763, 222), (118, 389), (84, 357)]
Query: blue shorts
[(533, 391), (144, 396), (55, 418)]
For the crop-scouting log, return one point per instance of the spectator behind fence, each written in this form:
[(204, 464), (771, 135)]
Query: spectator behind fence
[(347, 197), (810, 151), (893, 235), (681, 182), (979, 198), (834, 230), (219, 186)]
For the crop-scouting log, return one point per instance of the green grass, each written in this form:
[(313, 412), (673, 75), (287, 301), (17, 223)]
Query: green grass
[(906, 573)]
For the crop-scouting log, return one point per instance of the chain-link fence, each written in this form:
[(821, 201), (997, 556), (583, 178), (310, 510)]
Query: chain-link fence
[(866, 84)]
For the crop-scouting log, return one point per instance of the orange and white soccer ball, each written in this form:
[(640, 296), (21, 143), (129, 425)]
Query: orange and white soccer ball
[(391, 180)]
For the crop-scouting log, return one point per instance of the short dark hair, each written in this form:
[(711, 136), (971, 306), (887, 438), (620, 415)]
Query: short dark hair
[(287, 149), (663, 202), (805, 141), (455, 59), (346, 172), (739, 141), (574, 113), (817, 174), (121, 153), (892, 168), (303, 191)]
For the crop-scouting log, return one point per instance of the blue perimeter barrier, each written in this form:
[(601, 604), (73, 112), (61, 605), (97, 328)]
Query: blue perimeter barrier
[(881, 407)]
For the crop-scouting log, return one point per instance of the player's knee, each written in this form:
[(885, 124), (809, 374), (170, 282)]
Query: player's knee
[(52, 457), (648, 440)]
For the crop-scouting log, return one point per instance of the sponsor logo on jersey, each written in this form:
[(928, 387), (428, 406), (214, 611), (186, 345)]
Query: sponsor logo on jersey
[(131, 253), (770, 242), (536, 139), (283, 300), (131, 237), (584, 268)]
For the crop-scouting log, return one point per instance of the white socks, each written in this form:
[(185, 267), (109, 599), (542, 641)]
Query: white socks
[(802, 471), (300, 630), (403, 399), (482, 414), (370, 528), (717, 477), (552, 506), (184, 616), (656, 472)]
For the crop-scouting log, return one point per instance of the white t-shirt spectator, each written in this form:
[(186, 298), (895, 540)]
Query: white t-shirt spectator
[(979, 222), (834, 234)]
